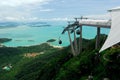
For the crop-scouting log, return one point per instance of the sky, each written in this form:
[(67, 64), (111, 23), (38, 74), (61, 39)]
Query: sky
[(36, 10)]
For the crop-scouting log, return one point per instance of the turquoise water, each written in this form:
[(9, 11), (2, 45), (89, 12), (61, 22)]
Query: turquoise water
[(26, 35)]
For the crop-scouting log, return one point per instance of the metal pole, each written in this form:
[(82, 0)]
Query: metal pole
[(73, 51), (75, 42), (97, 38), (80, 40)]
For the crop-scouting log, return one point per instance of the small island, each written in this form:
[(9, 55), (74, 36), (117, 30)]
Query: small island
[(2, 40), (51, 40)]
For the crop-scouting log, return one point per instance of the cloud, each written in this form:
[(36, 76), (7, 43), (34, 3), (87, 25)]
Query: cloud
[(99, 16), (22, 10), (54, 19), (60, 19), (25, 10), (14, 3), (19, 18), (46, 10)]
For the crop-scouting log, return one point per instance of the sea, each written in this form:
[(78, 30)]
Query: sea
[(35, 33)]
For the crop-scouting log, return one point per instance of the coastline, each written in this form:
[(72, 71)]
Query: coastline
[(54, 46)]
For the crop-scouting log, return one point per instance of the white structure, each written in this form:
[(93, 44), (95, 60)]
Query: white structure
[(114, 35), (112, 39), (77, 47), (95, 23)]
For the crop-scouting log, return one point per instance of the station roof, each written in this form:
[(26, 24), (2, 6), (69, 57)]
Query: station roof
[(114, 35)]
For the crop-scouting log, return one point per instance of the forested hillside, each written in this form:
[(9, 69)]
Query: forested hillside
[(51, 63)]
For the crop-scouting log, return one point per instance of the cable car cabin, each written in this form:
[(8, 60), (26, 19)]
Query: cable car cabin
[(60, 42), (78, 32)]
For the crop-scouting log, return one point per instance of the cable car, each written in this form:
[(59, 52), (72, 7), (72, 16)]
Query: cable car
[(60, 42), (78, 32)]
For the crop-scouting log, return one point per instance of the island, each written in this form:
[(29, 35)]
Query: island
[(51, 40), (2, 40)]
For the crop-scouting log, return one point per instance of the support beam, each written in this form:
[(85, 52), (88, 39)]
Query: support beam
[(97, 38), (75, 41), (80, 40), (72, 48)]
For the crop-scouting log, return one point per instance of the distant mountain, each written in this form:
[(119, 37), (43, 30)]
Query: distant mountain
[(31, 24), (37, 24), (8, 24)]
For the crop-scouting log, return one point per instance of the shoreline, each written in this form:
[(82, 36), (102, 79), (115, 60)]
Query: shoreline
[(54, 46)]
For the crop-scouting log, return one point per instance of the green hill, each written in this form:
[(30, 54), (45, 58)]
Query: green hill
[(2, 40), (59, 64)]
